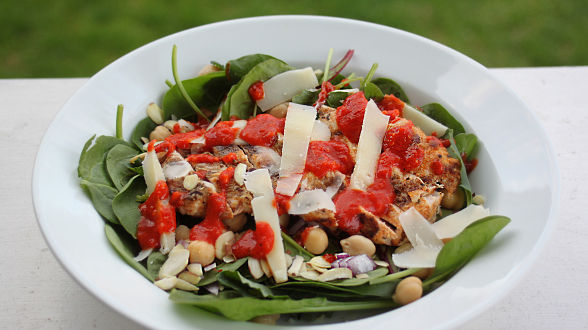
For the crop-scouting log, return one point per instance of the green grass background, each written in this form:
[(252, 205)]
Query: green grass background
[(69, 38)]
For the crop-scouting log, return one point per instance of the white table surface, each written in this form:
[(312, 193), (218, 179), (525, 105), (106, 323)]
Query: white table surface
[(38, 293)]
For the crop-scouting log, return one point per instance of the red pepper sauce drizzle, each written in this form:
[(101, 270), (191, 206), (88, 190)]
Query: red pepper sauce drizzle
[(256, 91), (157, 217), (403, 141), (326, 88), (263, 130), (256, 244), (222, 134), (390, 104), (211, 227), (325, 156), (350, 116), (184, 140)]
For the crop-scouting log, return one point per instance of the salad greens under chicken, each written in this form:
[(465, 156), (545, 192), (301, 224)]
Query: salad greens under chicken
[(257, 190)]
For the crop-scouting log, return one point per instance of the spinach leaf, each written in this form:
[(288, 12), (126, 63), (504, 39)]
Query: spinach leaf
[(206, 91), (126, 207), (463, 247), (92, 160), (246, 308), (306, 97), (244, 286), (239, 67), (293, 248), (101, 196), (465, 182), (154, 263), (467, 144), (211, 276), (389, 86), (372, 91), (336, 98), (238, 102), (440, 114), (143, 128), (126, 247), (118, 164)]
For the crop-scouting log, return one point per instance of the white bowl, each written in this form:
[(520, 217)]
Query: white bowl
[(517, 171)]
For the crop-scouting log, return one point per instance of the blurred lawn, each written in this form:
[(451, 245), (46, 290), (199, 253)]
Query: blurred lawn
[(70, 38)]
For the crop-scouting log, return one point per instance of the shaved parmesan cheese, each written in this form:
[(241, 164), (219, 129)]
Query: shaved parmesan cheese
[(240, 124), (152, 171), (311, 200), (426, 123), (297, 131), (420, 233), (320, 132), (282, 87), (369, 147), (453, 224), (264, 210)]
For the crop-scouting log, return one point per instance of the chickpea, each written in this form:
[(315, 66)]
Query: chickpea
[(201, 252), (236, 223), (358, 244), (453, 201), (408, 290), (316, 240), (159, 133), (182, 233), (424, 273), (279, 111)]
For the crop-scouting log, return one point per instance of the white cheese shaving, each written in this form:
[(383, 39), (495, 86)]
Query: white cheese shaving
[(424, 122), (320, 131), (310, 200), (453, 224), (282, 87), (152, 171), (240, 124), (369, 147), (297, 131), (420, 233), (258, 183)]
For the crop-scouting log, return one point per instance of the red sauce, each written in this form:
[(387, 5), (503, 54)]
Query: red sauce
[(157, 217), (330, 258), (184, 140), (256, 244), (386, 163), (229, 158), (437, 167), (435, 142), (326, 88), (282, 203), (226, 177), (402, 141), (350, 116), (202, 158), (256, 91), (201, 174), (177, 198), (470, 165), (222, 134), (391, 103), (263, 130), (325, 156), (177, 128), (211, 227)]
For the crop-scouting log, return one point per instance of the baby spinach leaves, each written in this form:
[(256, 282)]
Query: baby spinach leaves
[(125, 205), (101, 196), (118, 164), (211, 276), (126, 247), (467, 144), (306, 97), (293, 248), (92, 166), (237, 68), (440, 114), (390, 87), (238, 102), (244, 286), (143, 128), (371, 91), (154, 263), (462, 248), (465, 182)]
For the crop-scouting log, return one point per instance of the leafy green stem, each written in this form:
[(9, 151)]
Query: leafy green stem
[(181, 86), (327, 65), (169, 83), (119, 118), (369, 76), (395, 276)]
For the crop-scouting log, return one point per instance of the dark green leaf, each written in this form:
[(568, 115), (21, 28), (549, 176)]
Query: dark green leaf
[(126, 247), (206, 91), (101, 197), (336, 98), (239, 67), (390, 87), (218, 65), (463, 247), (154, 262), (118, 164), (306, 97), (293, 248), (143, 128), (465, 182), (244, 286), (315, 288), (440, 114), (125, 205), (372, 91), (92, 160), (238, 102), (467, 144), (246, 308), (212, 275)]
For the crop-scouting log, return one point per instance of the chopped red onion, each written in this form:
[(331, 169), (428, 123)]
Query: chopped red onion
[(342, 255), (210, 267), (359, 264)]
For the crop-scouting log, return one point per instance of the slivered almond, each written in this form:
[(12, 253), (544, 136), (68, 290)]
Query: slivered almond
[(155, 113), (167, 283), (220, 246), (189, 277), (265, 267), (167, 241), (310, 275), (175, 263), (195, 269), (254, 268), (335, 274), (297, 263), (319, 262), (289, 259), (184, 285)]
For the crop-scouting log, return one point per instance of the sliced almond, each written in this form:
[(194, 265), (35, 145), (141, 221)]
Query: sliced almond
[(196, 269), (319, 262), (362, 276), (289, 259), (310, 275), (190, 181), (167, 283), (186, 286), (155, 113), (220, 246), (335, 274), (167, 241), (175, 263), (381, 263), (254, 268), (297, 263), (189, 277), (265, 268)]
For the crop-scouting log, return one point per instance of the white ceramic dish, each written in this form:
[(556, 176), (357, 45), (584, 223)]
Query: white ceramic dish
[(517, 170)]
